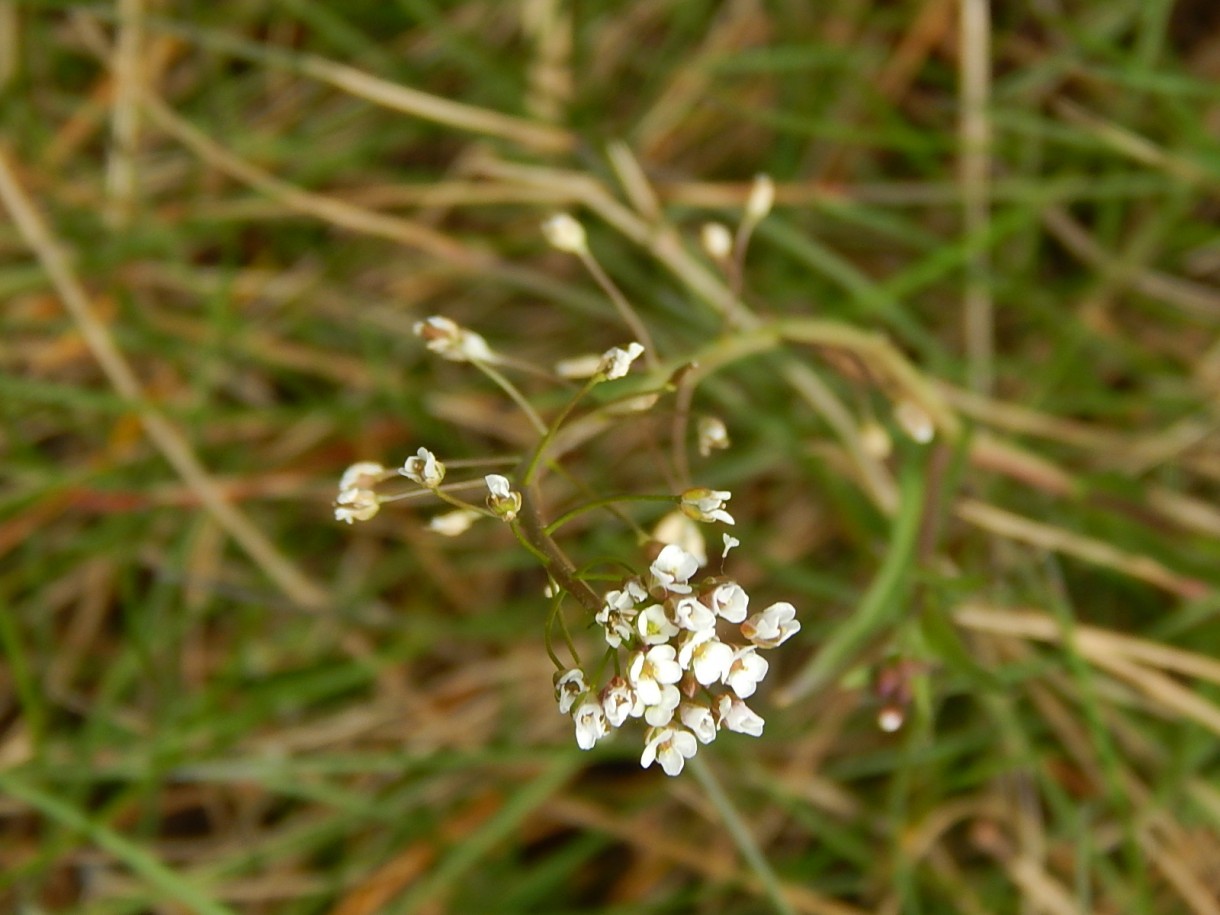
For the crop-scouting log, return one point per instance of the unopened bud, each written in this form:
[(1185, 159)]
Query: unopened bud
[(717, 240), (565, 234), (761, 199)]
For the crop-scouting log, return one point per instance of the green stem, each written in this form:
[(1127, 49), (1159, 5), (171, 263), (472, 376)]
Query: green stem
[(740, 835), (885, 599), (557, 563), (548, 435), (602, 503), (517, 397), (625, 310)]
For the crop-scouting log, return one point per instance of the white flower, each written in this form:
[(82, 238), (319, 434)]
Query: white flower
[(730, 601), (618, 613), (661, 712), (363, 475), (712, 434), (654, 626), (773, 626), (729, 542), (454, 523), (745, 671), (452, 341), (356, 505), (591, 724), (691, 613), (705, 656), (670, 746), (631, 594), (706, 505), (761, 199), (677, 528), (501, 499), (578, 367), (616, 362), (619, 701), (737, 716), (699, 719), (423, 469), (619, 625), (651, 670), (569, 686), (565, 233), (716, 239), (673, 568)]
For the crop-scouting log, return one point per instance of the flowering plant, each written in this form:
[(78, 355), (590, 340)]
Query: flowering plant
[(678, 646)]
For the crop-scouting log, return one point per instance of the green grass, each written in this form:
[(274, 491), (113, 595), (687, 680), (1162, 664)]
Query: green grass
[(262, 710)]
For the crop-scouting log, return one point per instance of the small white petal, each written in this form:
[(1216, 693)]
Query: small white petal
[(729, 542)]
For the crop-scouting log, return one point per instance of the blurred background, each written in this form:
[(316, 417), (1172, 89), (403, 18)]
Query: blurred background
[(220, 224)]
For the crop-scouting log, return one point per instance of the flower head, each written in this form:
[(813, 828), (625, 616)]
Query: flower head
[(501, 498), (708, 658), (454, 523), (699, 719), (361, 475), (577, 367), (654, 626), (356, 500), (569, 686), (712, 435), (591, 723), (730, 601), (356, 505), (745, 671), (661, 712), (452, 341), (692, 614), (652, 669), (616, 362), (619, 701), (423, 468), (737, 716), (670, 746), (617, 615), (706, 505), (673, 568), (773, 626)]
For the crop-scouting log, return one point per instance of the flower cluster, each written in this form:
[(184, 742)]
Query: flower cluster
[(684, 674), (357, 500)]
